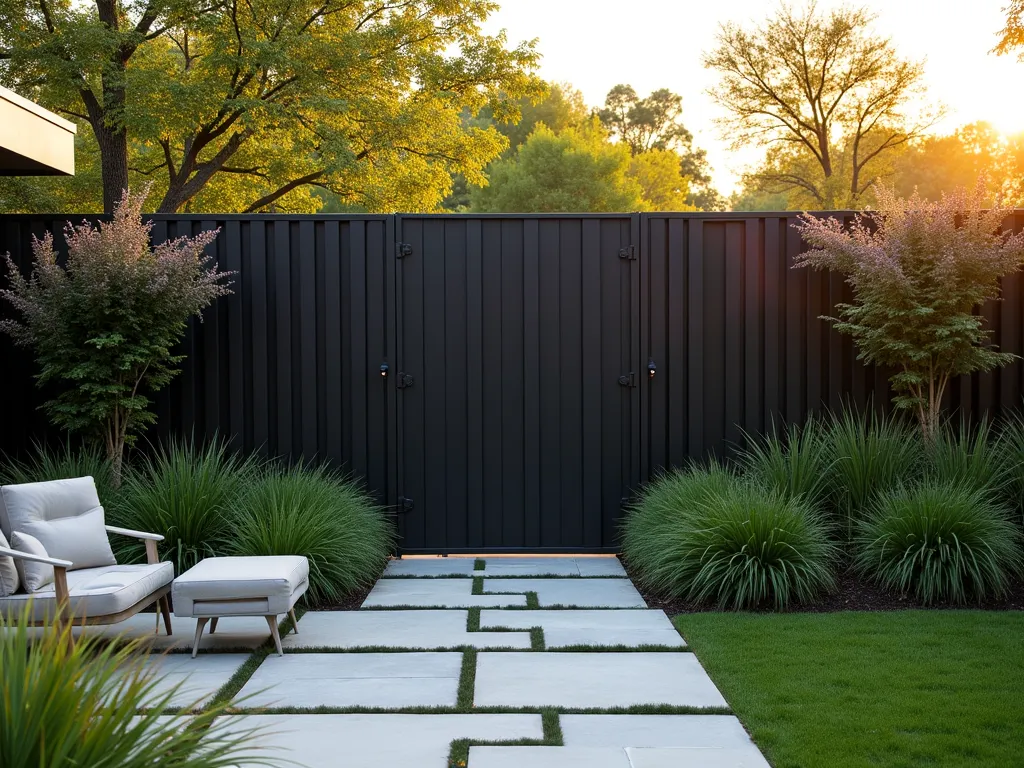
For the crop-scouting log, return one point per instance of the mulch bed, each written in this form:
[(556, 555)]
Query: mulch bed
[(853, 594)]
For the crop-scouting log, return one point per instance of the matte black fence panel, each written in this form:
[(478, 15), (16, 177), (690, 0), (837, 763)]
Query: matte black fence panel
[(518, 408)]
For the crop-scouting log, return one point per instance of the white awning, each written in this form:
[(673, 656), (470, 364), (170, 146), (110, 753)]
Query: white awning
[(34, 141)]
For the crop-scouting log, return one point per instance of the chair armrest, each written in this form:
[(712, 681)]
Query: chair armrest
[(134, 534), (19, 555)]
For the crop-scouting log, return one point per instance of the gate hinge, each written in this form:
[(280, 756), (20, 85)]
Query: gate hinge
[(628, 379), (628, 252), (405, 503), (404, 380), (402, 250)]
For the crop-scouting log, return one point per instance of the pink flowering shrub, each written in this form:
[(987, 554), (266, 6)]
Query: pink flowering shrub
[(103, 325), (918, 270)]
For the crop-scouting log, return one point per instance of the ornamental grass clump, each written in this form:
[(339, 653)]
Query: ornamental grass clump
[(713, 538), (103, 325), (1009, 448), (95, 705), (940, 542), (867, 454), (57, 463), (187, 491), (967, 456), (794, 463), (918, 271), (311, 510)]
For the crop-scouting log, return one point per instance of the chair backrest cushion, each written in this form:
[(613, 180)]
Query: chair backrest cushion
[(34, 576), (64, 515), (9, 579)]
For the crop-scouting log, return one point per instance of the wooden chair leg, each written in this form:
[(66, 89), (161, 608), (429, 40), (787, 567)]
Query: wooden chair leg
[(272, 622), (200, 623), (165, 610), (295, 622), (213, 625)]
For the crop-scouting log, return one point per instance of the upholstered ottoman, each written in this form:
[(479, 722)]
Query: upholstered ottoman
[(240, 586)]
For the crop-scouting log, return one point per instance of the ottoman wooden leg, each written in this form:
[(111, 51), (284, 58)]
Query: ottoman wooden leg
[(272, 622), (200, 623), (295, 622), (213, 625)]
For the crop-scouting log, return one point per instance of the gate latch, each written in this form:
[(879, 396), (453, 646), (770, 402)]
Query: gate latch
[(404, 380), (627, 252), (628, 379), (402, 250), (405, 503)]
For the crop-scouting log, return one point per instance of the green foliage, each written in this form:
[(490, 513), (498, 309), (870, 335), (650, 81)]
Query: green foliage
[(80, 706), (795, 463), (967, 456), (190, 493), (653, 126), (575, 171), (46, 463), (1010, 451), (235, 106), (918, 271), (939, 542), (662, 186), (103, 326), (867, 454), (310, 510), (709, 537)]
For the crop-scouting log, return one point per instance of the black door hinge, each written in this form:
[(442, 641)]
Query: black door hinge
[(628, 252), (405, 503), (628, 379), (403, 249), (404, 380)]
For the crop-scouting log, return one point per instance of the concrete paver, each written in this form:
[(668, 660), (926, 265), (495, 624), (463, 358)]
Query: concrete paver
[(396, 629), (435, 593), (386, 680), (591, 627), (593, 680)]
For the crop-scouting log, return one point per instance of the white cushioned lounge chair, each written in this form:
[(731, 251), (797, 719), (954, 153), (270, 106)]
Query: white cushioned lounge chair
[(54, 553)]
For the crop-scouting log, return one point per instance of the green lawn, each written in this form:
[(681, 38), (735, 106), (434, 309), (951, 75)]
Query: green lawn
[(913, 688)]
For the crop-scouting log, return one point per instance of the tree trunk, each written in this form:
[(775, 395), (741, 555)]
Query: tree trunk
[(113, 143)]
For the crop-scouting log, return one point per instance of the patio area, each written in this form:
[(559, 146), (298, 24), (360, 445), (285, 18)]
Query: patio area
[(525, 661)]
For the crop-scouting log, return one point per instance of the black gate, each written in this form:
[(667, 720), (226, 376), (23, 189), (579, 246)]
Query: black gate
[(517, 393)]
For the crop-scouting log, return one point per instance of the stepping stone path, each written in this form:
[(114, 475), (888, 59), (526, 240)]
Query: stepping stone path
[(444, 660)]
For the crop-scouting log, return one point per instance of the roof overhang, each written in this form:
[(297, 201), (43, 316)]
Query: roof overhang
[(34, 141)]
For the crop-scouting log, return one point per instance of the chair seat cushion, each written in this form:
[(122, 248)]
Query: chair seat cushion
[(277, 580), (95, 592)]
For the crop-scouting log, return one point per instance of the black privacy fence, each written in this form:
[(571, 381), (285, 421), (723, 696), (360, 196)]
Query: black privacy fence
[(504, 382)]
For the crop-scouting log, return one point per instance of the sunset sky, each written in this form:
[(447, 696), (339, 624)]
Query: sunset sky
[(594, 44)]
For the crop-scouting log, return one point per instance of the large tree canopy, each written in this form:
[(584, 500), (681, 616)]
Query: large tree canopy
[(244, 106), (573, 171), (940, 164), (827, 93), (655, 123)]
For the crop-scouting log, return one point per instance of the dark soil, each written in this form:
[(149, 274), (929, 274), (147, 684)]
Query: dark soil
[(853, 594), (351, 602)]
